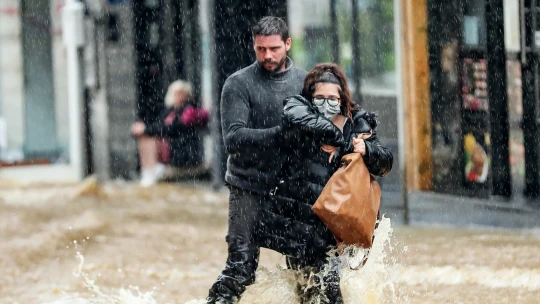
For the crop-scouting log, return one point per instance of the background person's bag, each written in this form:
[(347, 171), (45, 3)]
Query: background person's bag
[(349, 203)]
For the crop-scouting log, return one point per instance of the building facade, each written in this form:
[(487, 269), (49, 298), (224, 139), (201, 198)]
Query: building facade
[(135, 48), (469, 122), (34, 124)]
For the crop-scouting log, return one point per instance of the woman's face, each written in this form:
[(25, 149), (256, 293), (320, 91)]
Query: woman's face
[(179, 98), (327, 99), (327, 91)]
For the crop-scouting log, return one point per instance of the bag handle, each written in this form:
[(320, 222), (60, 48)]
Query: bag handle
[(347, 159), (365, 135)]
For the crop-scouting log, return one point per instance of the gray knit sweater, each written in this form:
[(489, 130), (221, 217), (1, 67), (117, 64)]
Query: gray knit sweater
[(251, 110)]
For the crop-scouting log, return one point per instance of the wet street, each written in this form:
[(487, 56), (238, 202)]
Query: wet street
[(120, 243)]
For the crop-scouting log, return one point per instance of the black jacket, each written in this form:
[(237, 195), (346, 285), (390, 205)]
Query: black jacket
[(185, 141), (288, 224)]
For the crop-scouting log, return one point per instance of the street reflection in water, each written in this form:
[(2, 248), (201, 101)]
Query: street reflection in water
[(120, 243)]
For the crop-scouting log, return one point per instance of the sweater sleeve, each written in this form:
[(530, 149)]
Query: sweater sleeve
[(235, 112)]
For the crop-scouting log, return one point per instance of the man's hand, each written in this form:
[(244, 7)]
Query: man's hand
[(138, 128), (331, 150)]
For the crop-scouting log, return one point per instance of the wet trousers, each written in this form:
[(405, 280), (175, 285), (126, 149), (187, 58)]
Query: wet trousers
[(243, 253)]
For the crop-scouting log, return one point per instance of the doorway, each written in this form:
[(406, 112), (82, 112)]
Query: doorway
[(40, 140)]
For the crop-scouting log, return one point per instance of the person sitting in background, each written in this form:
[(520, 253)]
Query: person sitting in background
[(174, 139)]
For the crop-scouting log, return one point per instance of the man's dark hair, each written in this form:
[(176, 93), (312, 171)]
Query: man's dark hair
[(269, 26)]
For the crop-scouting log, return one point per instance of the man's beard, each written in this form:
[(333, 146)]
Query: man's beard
[(278, 64)]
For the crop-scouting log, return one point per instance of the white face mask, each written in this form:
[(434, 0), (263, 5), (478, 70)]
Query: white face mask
[(325, 108)]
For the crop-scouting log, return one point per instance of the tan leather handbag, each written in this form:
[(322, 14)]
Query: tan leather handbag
[(349, 203)]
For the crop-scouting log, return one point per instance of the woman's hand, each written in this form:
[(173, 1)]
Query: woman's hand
[(138, 128), (331, 150), (359, 145)]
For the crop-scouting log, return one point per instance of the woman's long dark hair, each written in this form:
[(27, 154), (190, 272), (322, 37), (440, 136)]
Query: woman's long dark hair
[(315, 76)]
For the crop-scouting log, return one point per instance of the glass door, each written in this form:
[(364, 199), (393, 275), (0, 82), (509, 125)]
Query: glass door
[(40, 136)]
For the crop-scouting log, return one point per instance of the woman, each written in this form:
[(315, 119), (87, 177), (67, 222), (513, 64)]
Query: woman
[(174, 138), (319, 127)]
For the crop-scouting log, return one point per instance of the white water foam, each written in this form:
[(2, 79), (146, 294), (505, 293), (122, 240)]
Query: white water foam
[(369, 284), (376, 282), (131, 295)]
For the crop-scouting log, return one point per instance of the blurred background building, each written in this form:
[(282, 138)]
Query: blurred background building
[(484, 97), (464, 71), (33, 94)]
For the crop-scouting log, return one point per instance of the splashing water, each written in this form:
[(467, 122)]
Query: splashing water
[(372, 283), (369, 284), (132, 295), (184, 252)]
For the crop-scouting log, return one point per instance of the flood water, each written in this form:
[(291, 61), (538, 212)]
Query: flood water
[(119, 243)]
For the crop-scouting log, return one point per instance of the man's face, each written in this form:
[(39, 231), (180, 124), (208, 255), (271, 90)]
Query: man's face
[(271, 52)]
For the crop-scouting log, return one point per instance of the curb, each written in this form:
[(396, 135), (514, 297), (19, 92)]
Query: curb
[(517, 205)]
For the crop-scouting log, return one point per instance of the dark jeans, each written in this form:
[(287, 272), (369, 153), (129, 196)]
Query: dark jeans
[(243, 254)]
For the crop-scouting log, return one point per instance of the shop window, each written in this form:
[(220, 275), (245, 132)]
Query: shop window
[(476, 143), (309, 28), (312, 34), (377, 50)]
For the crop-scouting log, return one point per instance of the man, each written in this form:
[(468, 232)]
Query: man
[(251, 110)]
